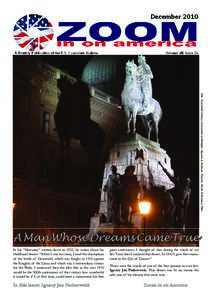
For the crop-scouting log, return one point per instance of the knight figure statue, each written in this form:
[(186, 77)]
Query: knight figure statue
[(137, 97)]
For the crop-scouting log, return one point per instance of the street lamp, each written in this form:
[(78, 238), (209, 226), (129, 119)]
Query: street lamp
[(145, 207)]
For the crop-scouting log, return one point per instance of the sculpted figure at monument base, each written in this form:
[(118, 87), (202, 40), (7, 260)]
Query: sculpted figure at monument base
[(181, 194), (113, 190), (130, 192)]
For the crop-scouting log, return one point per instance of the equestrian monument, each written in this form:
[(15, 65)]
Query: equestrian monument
[(133, 169)]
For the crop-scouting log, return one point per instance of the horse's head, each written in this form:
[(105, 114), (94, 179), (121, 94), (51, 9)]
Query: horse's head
[(131, 68)]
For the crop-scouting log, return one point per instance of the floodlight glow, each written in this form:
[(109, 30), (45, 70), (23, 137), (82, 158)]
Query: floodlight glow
[(144, 207)]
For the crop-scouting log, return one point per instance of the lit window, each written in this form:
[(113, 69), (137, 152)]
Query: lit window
[(46, 122)]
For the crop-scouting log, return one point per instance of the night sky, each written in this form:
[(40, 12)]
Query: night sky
[(176, 88)]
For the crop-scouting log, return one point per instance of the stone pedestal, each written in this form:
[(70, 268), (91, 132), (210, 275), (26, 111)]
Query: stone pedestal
[(144, 155)]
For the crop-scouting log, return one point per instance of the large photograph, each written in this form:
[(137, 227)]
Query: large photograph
[(106, 150)]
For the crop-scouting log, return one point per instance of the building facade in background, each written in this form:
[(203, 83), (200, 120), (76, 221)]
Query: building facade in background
[(51, 191)]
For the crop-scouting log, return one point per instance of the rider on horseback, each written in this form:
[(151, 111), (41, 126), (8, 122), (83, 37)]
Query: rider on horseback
[(144, 76)]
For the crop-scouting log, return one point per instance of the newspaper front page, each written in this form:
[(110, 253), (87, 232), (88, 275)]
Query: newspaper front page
[(105, 177)]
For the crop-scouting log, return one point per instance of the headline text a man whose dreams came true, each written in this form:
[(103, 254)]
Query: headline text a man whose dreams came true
[(63, 237)]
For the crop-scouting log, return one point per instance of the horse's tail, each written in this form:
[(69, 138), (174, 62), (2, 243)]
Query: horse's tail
[(157, 112)]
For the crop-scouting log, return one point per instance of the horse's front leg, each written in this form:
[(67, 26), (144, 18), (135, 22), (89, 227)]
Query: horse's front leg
[(156, 132), (129, 117), (154, 124), (134, 121)]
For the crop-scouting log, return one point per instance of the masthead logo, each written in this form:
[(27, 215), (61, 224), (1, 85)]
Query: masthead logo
[(33, 32)]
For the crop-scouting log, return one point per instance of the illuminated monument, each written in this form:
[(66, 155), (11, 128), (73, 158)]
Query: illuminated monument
[(133, 150)]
